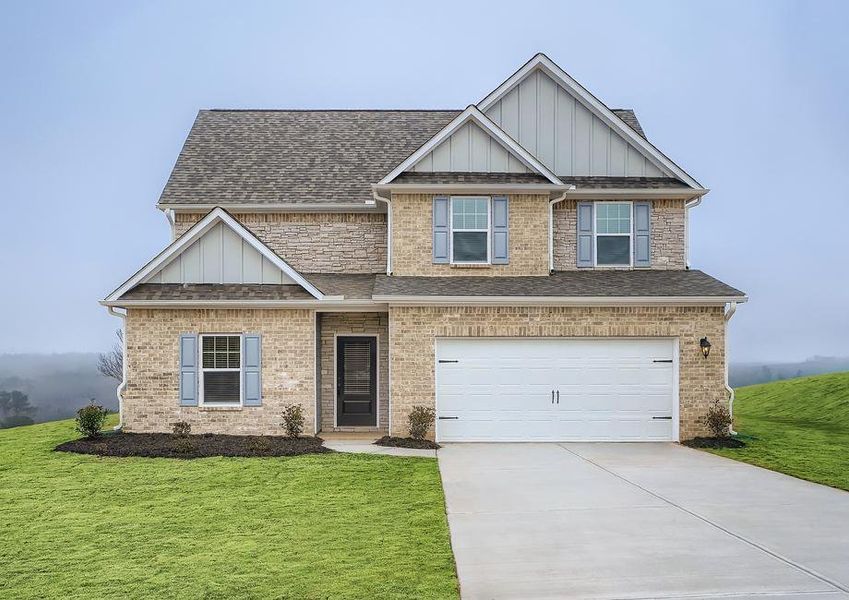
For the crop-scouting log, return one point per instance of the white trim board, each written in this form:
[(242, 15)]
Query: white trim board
[(472, 113), (215, 216), (591, 103)]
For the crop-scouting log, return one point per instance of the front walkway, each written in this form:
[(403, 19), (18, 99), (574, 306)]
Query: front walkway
[(638, 521)]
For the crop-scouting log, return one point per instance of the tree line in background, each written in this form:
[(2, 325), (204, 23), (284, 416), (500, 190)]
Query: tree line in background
[(15, 409)]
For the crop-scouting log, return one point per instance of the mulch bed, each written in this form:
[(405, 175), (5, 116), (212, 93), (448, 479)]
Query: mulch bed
[(714, 442), (167, 445), (399, 442)]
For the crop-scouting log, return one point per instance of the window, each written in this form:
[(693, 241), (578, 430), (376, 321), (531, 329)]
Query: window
[(469, 230), (613, 233), (221, 369)]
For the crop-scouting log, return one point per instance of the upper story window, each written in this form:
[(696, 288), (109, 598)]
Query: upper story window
[(613, 233), (470, 218), (221, 370)]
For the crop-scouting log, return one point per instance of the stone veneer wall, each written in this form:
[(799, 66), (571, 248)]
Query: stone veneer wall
[(413, 330), (151, 400), (412, 238), (667, 235), (316, 242), (333, 324)]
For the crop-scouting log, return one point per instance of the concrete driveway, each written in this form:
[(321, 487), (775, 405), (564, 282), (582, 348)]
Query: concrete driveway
[(638, 521)]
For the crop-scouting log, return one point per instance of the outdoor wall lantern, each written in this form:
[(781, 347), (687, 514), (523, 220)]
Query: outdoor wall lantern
[(704, 344)]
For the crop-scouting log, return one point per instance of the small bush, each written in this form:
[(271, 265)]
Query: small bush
[(90, 420), (719, 419), (184, 445), (293, 420), (421, 419), (181, 428), (260, 445)]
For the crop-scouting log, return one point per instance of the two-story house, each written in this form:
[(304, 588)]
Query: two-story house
[(520, 265)]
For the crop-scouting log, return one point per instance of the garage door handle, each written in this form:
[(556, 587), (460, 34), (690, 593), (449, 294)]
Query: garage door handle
[(558, 396), (665, 360), (552, 396), (448, 361), (448, 418), (662, 418)]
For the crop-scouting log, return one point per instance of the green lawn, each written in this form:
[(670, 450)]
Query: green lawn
[(798, 426), (317, 526)]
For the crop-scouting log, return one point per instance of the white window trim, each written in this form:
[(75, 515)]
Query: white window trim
[(451, 231), (241, 370), (630, 263)]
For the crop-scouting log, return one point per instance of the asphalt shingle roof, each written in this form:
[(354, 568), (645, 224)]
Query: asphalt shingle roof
[(295, 156), (216, 291), (687, 283), (449, 178)]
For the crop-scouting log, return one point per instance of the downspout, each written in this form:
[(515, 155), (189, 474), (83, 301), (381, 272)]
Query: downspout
[(169, 216), (378, 198), (551, 204), (732, 308), (123, 385), (687, 206)]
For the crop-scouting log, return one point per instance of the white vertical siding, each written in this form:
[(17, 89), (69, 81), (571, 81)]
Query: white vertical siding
[(470, 149), (563, 134), (220, 256)]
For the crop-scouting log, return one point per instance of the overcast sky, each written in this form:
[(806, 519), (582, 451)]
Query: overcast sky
[(96, 99)]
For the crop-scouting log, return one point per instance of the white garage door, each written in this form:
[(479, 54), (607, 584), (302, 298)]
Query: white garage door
[(533, 389)]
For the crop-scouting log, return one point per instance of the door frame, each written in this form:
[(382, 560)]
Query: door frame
[(676, 369), (336, 336)]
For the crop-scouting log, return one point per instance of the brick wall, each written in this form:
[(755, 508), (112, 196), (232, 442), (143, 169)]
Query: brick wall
[(413, 329), (667, 235), (332, 324), (151, 400), (316, 242), (412, 238)]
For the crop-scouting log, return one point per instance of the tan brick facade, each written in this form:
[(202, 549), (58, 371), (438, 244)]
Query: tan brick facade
[(316, 242), (412, 238), (333, 324), (413, 331), (667, 235), (151, 400)]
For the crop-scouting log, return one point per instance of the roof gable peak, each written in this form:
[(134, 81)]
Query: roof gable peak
[(588, 102), (473, 115)]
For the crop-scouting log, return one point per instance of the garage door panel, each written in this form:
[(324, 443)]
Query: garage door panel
[(500, 389)]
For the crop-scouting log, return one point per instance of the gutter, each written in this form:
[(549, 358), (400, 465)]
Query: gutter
[(123, 385), (551, 204), (378, 198), (732, 308)]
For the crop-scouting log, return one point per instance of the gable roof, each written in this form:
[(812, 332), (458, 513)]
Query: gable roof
[(613, 120), (473, 115), (299, 157), (215, 216)]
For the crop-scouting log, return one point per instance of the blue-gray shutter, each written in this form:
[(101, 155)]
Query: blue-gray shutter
[(500, 230), (642, 234), (252, 368), (585, 234), (189, 370), (441, 233)]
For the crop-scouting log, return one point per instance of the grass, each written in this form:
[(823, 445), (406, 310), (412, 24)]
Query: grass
[(797, 426), (312, 527)]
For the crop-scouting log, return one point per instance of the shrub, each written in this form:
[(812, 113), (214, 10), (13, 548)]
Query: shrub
[(181, 428), (184, 445), (719, 419), (421, 419), (90, 420), (260, 445), (293, 420)]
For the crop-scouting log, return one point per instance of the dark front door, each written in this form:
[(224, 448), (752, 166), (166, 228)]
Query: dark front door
[(356, 380)]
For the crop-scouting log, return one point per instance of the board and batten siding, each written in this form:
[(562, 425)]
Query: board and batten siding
[(220, 256), (470, 149), (563, 134)]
